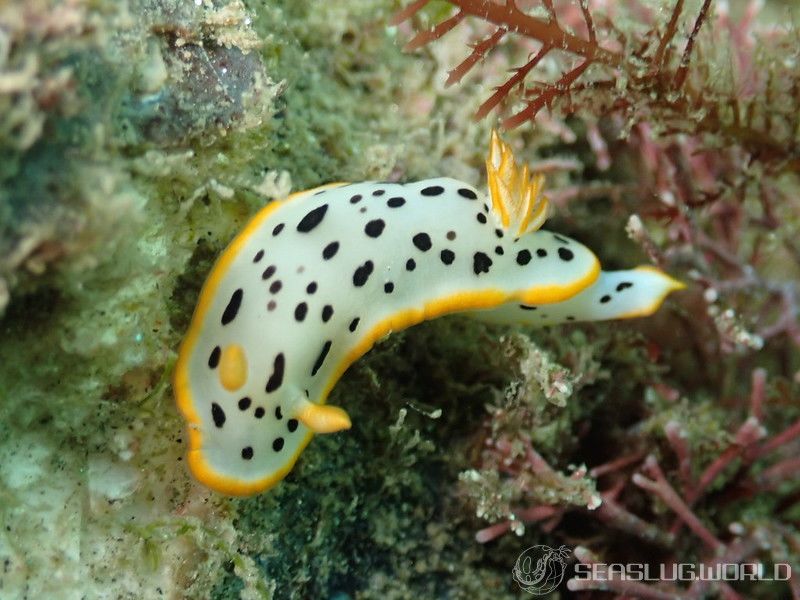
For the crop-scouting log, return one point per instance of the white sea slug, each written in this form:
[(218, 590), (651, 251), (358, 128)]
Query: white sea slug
[(314, 280), (614, 295)]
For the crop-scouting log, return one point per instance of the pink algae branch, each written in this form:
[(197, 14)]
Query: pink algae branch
[(655, 76), (732, 544), (508, 17)]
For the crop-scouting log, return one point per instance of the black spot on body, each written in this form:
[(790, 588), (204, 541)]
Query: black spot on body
[(374, 228), (523, 257), (499, 233), (411, 264), (259, 255), (271, 305), (247, 452), (355, 199), (481, 218), (527, 307), (311, 287), (561, 239), (268, 272), (447, 256), (499, 250), (312, 219), (213, 358), (300, 311), (277, 444), (378, 192), (388, 287), (275, 287), (481, 263), (565, 254), (291, 425), (217, 414), (276, 379), (396, 202), (432, 190), (541, 252), (244, 403), (327, 313), (353, 324), (624, 285), (230, 312), (605, 299), (259, 412), (278, 229), (467, 193), (362, 273), (330, 250), (278, 413), (321, 358), (570, 318), (451, 235), (422, 241)]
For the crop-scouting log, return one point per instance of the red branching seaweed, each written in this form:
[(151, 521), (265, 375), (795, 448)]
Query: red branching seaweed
[(602, 72), (734, 544)]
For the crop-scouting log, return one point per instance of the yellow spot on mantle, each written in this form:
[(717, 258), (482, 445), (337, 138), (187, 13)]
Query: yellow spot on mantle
[(233, 367)]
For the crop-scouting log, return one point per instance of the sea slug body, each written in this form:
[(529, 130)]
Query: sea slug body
[(614, 295), (313, 281)]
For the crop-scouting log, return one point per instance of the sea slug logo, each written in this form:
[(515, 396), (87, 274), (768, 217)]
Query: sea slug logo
[(540, 569)]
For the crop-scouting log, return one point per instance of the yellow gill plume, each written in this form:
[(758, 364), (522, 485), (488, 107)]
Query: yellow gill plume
[(515, 194)]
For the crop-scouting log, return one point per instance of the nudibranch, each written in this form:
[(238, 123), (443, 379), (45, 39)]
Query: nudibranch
[(313, 281), (614, 295)]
